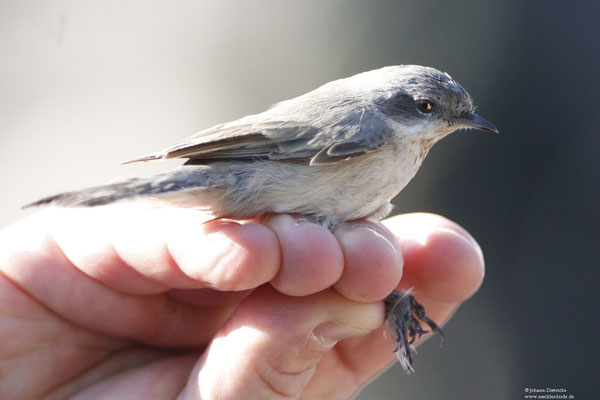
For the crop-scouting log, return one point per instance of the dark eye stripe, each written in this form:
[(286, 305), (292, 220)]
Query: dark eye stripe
[(400, 105)]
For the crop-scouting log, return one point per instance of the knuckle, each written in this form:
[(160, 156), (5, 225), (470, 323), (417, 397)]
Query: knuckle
[(279, 382)]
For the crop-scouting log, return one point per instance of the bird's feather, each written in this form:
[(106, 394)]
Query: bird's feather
[(320, 137)]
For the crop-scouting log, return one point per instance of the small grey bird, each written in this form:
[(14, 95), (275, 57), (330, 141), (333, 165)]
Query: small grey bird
[(338, 153)]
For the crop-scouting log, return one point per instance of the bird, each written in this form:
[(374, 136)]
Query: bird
[(338, 153)]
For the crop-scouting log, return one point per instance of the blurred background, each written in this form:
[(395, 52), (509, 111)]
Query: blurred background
[(85, 85)]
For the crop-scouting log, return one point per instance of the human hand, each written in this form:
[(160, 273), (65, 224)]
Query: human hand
[(133, 301)]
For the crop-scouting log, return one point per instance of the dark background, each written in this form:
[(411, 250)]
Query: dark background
[(85, 85)]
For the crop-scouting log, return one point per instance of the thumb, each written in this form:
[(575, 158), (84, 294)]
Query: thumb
[(272, 344)]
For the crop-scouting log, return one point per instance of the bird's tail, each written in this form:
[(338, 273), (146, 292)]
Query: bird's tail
[(157, 185)]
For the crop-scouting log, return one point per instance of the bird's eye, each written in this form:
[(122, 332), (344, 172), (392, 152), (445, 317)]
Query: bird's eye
[(425, 106)]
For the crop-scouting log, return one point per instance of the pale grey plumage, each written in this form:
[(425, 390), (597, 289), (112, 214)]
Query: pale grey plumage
[(337, 153), (344, 118)]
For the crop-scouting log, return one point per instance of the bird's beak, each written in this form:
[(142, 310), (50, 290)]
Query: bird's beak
[(474, 121)]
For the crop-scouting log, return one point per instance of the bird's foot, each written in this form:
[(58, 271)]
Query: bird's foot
[(404, 316)]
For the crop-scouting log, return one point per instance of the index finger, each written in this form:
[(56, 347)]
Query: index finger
[(145, 249)]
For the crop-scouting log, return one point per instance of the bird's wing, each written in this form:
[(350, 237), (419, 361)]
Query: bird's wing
[(319, 140)]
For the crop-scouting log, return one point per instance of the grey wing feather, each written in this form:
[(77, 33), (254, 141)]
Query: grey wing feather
[(319, 139)]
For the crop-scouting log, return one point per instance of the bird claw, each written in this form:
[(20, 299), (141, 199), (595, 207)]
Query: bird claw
[(404, 316)]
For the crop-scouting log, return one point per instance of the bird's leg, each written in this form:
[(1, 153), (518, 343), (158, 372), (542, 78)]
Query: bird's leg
[(404, 315)]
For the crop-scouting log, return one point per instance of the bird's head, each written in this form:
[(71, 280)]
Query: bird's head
[(422, 102)]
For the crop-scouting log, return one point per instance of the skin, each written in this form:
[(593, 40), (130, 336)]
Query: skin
[(138, 301)]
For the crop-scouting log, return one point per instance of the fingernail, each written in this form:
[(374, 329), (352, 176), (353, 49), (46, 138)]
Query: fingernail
[(280, 221), (372, 228), (286, 221), (303, 220), (331, 332)]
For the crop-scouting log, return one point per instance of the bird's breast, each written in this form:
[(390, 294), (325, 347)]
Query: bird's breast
[(344, 190)]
